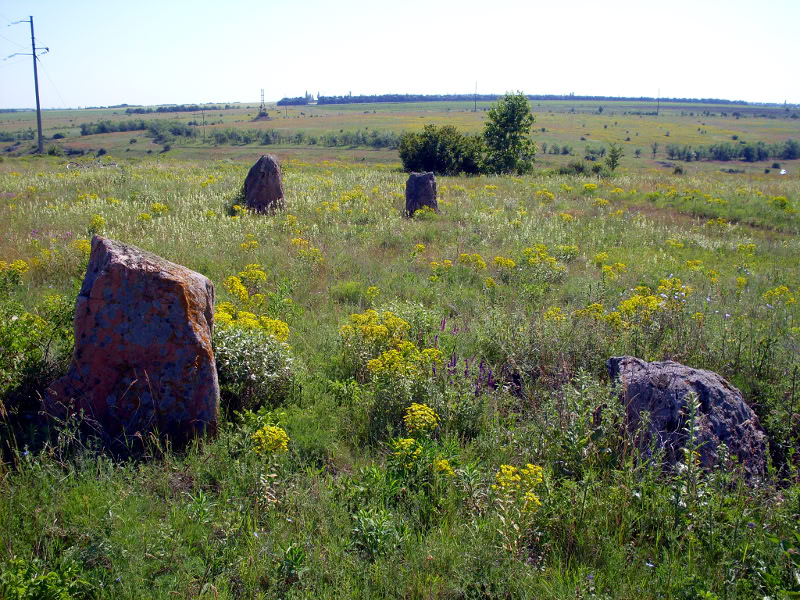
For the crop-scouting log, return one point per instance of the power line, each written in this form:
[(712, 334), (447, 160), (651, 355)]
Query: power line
[(12, 41), (53, 83), (11, 64)]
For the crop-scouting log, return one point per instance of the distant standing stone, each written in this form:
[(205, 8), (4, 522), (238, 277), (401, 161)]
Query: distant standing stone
[(660, 388), (420, 192), (263, 187), (143, 359)]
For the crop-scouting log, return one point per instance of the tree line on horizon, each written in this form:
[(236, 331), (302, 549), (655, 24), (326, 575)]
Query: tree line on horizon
[(368, 99), (175, 108)]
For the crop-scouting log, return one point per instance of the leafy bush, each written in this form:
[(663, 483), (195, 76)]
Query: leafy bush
[(347, 291), (442, 150), (34, 346), (375, 532), (21, 579), (504, 147), (254, 368), (575, 167)]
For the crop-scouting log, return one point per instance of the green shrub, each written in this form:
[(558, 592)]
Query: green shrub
[(254, 369), (21, 580), (375, 532), (34, 346), (347, 291), (574, 167), (442, 150)]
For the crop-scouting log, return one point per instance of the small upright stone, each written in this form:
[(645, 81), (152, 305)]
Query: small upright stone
[(660, 389), (420, 192), (263, 187), (143, 359)]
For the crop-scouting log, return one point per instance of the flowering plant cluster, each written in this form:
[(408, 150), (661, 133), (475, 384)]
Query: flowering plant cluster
[(613, 271), (250, 242), (18, 267), (270, 440), (226, 316), (306, 251), (442, 466), (369, 334), (474, 260), (405, 452), (247, 287), (513, 483), (420, 419), (404, 361), (504, 264), (780, 294), (554, 314)]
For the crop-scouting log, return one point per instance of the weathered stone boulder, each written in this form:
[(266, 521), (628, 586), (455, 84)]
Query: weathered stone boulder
[(143, 359), (660, 388), (420, 192), (263, 186)]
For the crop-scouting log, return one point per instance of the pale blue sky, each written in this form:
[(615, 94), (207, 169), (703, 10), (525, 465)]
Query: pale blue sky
[(175, 51)]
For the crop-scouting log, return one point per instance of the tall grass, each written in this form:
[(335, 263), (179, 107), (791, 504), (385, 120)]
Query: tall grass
[(339, 514)]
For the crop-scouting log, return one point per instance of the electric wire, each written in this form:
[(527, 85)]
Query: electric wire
[(12, 63), (12, 41), (53, 83)]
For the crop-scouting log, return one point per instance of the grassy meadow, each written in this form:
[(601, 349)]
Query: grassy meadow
[(452, 432), (575, 124)]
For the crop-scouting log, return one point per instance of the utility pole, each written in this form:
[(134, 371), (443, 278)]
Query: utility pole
[(36, 85), (475, 98), (658, 101), (35, 81), (203, 112)]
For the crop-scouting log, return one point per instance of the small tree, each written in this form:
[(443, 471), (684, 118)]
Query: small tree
[(509, 148), (615, 153), (654, 148), (637, 153)]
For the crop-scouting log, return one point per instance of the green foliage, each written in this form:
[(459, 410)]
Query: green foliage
[(615, 153), (442, 150), (374, 533), (291, 568), (34, 347), (30, 580), (506, 134), (576, 264), (254, 369), (348, 291), (504, 147)]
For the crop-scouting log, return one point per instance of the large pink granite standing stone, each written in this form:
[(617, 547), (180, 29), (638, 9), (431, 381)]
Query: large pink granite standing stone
[(143, 359)]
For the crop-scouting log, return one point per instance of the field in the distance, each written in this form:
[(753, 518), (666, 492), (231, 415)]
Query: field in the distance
[(575, 124)]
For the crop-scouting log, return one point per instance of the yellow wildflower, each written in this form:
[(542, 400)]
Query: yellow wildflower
[(442, 465), (554, 314), (270, 439), (420, 419)]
